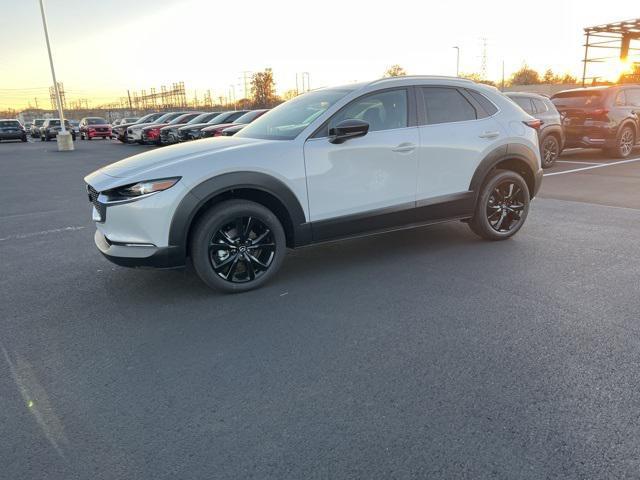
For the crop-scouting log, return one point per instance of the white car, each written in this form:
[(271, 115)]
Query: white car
[(332, 163)]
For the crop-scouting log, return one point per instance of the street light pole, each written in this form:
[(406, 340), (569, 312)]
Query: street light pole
[(65, 142), (457, 61)]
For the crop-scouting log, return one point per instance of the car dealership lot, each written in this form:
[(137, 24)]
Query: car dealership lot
[(423, 353)]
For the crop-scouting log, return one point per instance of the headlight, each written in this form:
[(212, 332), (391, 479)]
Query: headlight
[(138, 190)]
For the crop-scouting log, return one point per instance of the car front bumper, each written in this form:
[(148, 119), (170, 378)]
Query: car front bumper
[(138, 255)]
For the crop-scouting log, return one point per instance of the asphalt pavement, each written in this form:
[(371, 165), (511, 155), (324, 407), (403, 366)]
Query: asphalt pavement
[(426, 353)]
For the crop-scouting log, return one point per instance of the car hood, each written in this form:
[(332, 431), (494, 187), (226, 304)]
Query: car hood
[(139, 164), (174, 126), (155, 125), (219, 125), (194, 126)]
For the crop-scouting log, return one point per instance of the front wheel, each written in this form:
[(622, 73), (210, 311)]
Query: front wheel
[(502, 206), (237, 245)]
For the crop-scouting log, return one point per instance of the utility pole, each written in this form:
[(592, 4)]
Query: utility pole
[(65, 142), (457, 61), (502, 89), (36, 100)]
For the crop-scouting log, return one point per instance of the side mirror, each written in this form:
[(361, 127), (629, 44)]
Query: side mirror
[(347, 129)]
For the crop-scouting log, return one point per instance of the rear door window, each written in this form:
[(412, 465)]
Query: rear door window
[(446, 105), (633, 97)]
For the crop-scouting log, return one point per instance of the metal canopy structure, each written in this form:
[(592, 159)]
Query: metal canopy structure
[(621, 36)]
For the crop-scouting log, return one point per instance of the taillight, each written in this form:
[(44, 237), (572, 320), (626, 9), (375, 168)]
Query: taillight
[(217, 133), (535, 123)]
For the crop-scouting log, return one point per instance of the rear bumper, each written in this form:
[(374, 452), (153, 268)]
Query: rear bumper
[(139, 255), (590, 135), (537, 182), (13, 136), (99, 134)]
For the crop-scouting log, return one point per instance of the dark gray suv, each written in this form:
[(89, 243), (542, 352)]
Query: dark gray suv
[(551, 134)]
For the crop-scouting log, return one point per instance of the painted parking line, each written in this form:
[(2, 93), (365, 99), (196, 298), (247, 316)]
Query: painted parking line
[(579, 163), (600, 165)]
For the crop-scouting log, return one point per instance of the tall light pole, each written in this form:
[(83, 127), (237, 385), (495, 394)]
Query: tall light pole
[(457, 61), (65, 142)]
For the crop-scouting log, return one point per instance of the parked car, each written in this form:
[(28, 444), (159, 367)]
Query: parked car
[(11, 129), (120, 132), (550, 133), (35, 127), (51, 127), (231, 131), (93, 127), (75, 126), (192, 130), (241, 121), (151, 134), (116, 122), (327, 164), (215, 129), (169, 134), (134, 132), (601, 117)]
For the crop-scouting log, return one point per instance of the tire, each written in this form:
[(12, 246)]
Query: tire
[(625, 141), (549, 150), (24, 139), (87, 137), (46, 138), (499, 215), (219, 226)]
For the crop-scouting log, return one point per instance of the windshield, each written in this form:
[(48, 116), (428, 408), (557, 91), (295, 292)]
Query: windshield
[(202, 118), (249, 116), (182, 118), (38, 123), (96, 121), (578, 99), (163, 118), (9, 123), (286, 121)]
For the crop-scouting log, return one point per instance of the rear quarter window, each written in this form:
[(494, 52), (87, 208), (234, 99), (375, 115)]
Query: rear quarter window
[(486, 104)]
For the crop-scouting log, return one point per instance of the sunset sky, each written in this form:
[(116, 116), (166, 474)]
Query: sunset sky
[(102, 48)]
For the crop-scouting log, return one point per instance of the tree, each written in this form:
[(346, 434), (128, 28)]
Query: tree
[(289, 94), (395, 71), (525, 76), (549, 77), (476, 77), (568, 79), (263, 89)]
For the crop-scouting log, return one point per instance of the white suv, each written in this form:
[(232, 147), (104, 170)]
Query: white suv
[(331, 163)]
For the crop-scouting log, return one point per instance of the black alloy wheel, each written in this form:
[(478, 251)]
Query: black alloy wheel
[(502, 206), (550, 151), (237, 245), (242, 250)]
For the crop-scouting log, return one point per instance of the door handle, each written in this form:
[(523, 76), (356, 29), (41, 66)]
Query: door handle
[(404, 147), (490, 135)]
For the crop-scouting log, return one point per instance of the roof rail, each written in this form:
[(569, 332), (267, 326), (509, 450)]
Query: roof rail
[(421, 77)]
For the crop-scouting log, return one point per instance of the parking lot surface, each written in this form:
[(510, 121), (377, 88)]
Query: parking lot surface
[(425, 353)]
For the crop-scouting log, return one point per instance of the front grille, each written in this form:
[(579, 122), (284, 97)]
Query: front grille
[(93, 198), (101, 129)]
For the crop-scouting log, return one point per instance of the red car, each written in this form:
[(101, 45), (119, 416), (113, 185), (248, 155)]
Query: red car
[(216, 130), (92, 127)]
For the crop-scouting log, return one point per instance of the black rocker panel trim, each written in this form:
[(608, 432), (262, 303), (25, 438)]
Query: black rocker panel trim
[(437, 209), (199, 195)]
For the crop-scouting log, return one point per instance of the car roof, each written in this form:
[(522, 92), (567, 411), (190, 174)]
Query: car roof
[(526, 94), (9, 120)]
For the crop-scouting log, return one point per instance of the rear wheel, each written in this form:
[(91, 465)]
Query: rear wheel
[(237, 245), (625, 141), (550, 150), (502, 206)]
